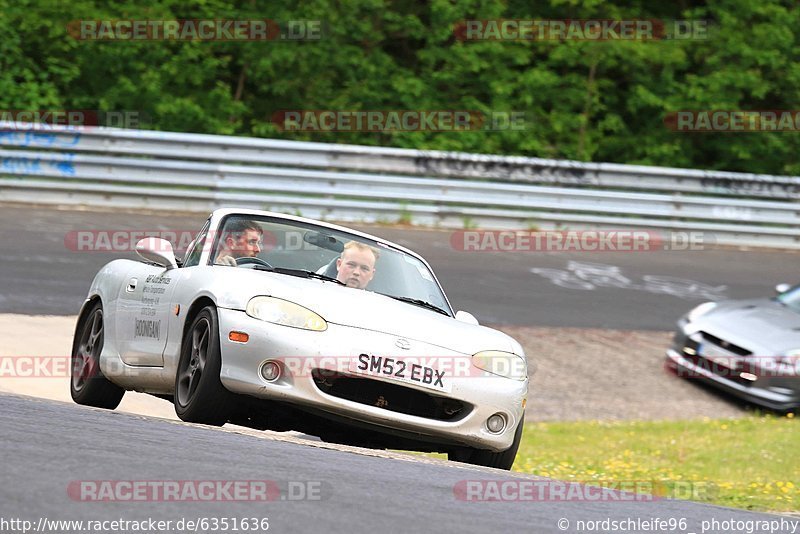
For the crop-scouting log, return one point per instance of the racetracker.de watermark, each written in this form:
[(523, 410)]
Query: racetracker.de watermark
[(125, 240), (578, 241), (523, 490), (197, 490), (423, 369), (195, 30), (447, 120), (119, 240), (35, 366), (740, 368), (43, 366), (580, 30), (77, 119), (734, 121)]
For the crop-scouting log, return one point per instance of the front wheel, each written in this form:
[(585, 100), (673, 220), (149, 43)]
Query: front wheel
[(499, 460), (200, 396), (87, 385)]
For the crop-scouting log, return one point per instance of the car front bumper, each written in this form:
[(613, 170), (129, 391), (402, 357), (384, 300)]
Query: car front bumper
[(300, 352), (754, 381)]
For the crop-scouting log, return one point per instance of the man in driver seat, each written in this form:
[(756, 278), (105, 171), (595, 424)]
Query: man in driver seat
[(242, 238), (356, 266)]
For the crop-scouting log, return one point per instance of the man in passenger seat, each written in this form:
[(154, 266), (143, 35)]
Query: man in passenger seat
[(356, 266)]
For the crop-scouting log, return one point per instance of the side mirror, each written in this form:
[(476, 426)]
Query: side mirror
[(782, 288), (466, 317), (158, 251)]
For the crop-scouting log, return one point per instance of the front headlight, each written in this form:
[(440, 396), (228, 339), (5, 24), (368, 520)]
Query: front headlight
[(283, 312), (700, 310), (502, 364)]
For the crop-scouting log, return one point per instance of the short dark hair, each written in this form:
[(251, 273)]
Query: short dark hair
[(240, 225), (237, 227)]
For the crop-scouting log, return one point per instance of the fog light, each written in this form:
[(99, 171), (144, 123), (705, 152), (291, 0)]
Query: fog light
[(270, 371), (496, 423)]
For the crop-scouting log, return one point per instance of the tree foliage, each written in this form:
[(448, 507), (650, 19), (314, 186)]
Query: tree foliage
[(583, 100)]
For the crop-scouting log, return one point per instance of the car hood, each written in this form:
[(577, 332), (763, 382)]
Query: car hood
[(757, 324), (371, 311)]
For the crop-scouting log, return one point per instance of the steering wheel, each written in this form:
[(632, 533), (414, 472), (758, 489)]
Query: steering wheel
[(252, 260)]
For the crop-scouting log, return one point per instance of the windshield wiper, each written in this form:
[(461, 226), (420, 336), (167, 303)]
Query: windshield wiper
[(421, 303), (302, 273)]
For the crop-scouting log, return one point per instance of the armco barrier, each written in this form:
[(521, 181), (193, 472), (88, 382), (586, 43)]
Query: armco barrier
[(198, 172)]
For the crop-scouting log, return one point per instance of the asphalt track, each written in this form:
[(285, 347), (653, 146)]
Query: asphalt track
[(40, 274), (351, 492), (46, 446)]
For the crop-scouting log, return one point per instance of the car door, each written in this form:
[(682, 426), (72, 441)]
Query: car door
[(143, 309)]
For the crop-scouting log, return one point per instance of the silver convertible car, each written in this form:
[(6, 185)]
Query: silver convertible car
[(284, 323), (749, 348)]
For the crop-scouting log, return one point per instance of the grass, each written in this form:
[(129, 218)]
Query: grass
[(751, 463), (406, 217)]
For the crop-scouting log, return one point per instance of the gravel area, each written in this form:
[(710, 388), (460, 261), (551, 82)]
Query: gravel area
[(588, 373)]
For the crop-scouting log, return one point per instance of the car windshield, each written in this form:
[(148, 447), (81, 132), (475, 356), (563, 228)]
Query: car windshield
[(791, 298), (303, 249)]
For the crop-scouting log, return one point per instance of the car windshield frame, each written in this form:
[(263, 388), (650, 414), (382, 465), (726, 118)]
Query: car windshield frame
[(386, 250)]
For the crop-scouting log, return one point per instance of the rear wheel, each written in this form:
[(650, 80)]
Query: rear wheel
[(200, 396), (499, 460), (87, 384)]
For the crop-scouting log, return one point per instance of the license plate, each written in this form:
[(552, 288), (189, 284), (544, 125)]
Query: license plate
[(406, 370), (718, 356)]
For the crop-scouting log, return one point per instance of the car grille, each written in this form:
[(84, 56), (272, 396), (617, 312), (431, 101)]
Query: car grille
[(730, 347), (732, 374), (392, 397)]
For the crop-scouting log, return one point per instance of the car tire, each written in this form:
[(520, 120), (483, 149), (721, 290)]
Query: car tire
[(200, 396), (498, 460), (87, 385)]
